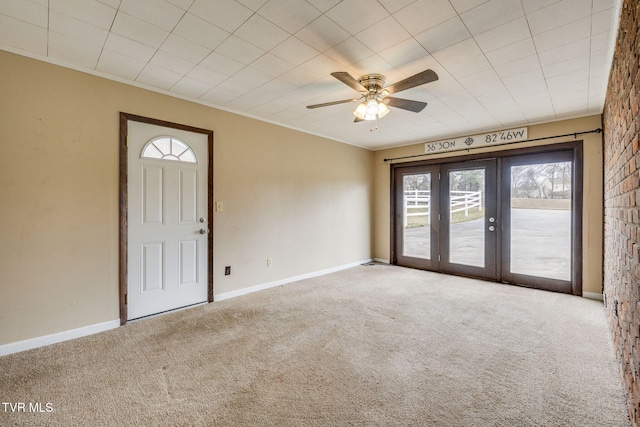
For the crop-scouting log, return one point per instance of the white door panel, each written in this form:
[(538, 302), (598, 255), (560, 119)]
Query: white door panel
[(167, 209)]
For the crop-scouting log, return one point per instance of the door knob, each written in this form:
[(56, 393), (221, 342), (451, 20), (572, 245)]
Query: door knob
[(203, 231), (492, 228)]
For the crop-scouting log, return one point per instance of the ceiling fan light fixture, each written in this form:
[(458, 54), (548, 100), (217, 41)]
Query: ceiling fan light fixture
[(371, 110)]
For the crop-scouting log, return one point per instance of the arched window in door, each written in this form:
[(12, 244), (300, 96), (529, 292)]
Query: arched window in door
[(168, 148)]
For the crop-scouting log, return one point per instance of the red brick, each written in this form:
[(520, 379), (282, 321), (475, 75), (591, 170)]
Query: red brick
[(621, 122)]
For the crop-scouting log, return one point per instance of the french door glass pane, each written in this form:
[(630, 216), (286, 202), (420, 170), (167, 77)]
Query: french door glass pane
[(541, 220), (416, 216), (466, 217)]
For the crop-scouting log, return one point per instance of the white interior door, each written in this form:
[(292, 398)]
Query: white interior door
[(167, 219)]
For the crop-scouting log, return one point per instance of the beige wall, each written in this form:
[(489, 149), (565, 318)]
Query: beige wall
[(301, 200), (593, 188)]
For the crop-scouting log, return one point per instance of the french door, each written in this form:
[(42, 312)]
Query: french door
[(515, 219)]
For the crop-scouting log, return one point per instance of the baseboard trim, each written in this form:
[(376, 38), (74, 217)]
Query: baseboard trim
[(593, 295), (382, 261), (256, 288), (19, 346)]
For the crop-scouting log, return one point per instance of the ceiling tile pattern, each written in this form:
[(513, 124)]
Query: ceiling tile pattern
[(501, 63)]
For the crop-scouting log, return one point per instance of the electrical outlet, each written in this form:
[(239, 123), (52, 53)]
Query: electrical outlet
[(227, 270), (269, 262)]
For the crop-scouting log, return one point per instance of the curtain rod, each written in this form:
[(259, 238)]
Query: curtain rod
[(575, 135)]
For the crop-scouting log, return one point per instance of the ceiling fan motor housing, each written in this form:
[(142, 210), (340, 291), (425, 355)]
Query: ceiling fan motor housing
[(372, 82)]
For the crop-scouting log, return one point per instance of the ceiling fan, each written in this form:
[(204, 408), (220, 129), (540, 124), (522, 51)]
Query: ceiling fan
[(375, 97)]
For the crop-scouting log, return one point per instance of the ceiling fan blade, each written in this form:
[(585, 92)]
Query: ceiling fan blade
[(326, 104), (405, 104), (427, 76), (358, 120), (348, 79)]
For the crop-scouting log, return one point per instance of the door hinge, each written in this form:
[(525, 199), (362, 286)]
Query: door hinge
[(438, 257), (126, 299)]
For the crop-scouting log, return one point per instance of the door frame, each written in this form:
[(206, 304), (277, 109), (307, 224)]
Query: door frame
[(124, 208), (577, 199), (490, 270)]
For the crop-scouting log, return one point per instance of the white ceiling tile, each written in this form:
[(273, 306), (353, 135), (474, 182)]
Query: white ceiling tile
[(222, 64), (200, 31), (294, 51), (279, 87), (185, 49), (403, 53), (356, 15), (565, 67), (91, 11), (207, 75), (513, 52), (457, 53), (602, 22), (383, 35), (319, 67), (182, 4), (262, 33), (564, 52), (393, 6), (79, 30), (234, 84), (171, 62), (253, 76), (135, 29), (117, 64), (26, 11), (322, 34), (191, 88), (323, 5), (290, 15), (503, 35), (226, 14), (130, 48), (600, 5), (569, 82), (492, 14), (219, 96), (158, 77), (443, 35), (562, 35), (600, 43), (424, 14), (529, 82), (73, 51), (349, 52), (252, 4), (479, 78), (156, 12), (494, 90), (462, 6), (558, 14), (469, 67), (523, 65), (240, 50), (524, 79), (372, 64), (533, 5), (272, 65)]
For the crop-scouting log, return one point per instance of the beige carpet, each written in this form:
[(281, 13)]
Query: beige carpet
[(370, 346)]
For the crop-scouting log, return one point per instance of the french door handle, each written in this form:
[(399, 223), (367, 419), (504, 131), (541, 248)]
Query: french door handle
[(492, 228)]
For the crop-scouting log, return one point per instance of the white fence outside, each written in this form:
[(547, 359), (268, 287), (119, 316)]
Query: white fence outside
[(418, 203)]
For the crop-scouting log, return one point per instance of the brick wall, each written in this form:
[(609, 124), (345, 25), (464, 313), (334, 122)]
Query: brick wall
[(622, 203)]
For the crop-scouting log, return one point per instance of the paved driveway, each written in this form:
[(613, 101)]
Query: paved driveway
[(540, 242)]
